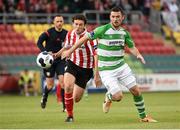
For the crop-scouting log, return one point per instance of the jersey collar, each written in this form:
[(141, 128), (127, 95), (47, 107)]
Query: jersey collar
[(115, 28)]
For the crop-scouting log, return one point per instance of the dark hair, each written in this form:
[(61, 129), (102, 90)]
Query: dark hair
[(118, 9), (79, 17), (57, 16)]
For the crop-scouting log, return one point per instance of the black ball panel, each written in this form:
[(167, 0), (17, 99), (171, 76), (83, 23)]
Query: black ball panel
[(41, 61)]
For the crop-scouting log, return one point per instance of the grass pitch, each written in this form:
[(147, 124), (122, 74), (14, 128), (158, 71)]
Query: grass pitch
[(21, 112)]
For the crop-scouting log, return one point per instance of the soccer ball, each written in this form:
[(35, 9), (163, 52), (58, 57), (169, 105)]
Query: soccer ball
[(44, 60)]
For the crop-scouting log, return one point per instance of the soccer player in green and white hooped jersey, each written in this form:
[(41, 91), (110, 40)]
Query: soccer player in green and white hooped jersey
[(113, 70)]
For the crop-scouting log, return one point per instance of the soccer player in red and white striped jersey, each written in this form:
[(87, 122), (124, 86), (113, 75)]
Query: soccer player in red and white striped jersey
[(82, 57), (79, 65)]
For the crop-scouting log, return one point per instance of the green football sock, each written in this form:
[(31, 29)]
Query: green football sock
[(139, 102)]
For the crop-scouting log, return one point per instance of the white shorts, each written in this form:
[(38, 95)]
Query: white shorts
[(114, 80)]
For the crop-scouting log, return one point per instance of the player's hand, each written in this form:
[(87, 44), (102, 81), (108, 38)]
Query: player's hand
[(65, 54), (97, 80), (55, 55), (140, 57), (50, 52)]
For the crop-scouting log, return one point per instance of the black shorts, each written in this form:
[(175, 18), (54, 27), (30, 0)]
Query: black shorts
[(82, 75), (57, 67)]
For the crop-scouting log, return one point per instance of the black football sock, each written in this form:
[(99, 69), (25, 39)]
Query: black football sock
[(62, 96)]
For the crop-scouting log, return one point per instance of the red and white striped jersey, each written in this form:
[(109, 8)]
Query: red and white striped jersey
[(82, 56)]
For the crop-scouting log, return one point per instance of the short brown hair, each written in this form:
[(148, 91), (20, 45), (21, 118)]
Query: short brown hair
[(79, 17), (118, 9)]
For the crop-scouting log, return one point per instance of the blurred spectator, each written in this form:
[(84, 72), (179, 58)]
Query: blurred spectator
[(169, 14), (51, 7), (146, 10), (1, 6), (156, 4), (26, 83), (98, 5), (108, 4), (135, 5), (126, 6)]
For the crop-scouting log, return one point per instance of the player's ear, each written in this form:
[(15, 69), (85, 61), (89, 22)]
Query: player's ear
[(123, 17), (53, 21)]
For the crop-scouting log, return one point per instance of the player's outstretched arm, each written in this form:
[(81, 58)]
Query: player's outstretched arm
[(97, 79), (138, 55), (59, 53), (67, 53)]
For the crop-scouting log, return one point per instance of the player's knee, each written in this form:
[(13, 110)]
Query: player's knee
[(117, 97), (50, 85), (135, 91), (68, 90), (77, 99), (61, 84), (68, 87)]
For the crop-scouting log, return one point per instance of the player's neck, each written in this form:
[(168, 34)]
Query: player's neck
[(58, 30), (115, 27), (81, 32)]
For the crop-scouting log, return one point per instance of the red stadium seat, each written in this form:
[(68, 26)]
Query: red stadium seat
[(20, 50), (134, 35), (2, 28), (4, 50), (156, 50), (8, 42), (4, 35), (9, 28), (141, 35), (15, 41), (27, 50), (2, 42), (135, 28), (12, 50), (158, 42), (142, 49), (148, 35), (35, 50)]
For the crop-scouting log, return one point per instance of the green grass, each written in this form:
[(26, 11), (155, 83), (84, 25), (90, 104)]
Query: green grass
[(25, 113)]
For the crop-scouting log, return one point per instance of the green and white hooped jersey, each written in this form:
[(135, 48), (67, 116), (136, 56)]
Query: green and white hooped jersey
[(111, 44)]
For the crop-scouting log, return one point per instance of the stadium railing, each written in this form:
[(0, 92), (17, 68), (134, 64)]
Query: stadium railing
[(93, 16)]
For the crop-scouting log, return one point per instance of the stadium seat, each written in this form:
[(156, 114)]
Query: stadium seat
[(45, 26), (148, 35), (2, 28), (140, 35), (176, 34), (12, 50), (166, 31), (27, 50), (2, 42), (4, 34), (4, 50), (134, 35), (39, 28), (9, 28), (178, 41), (32, 27), (135, 28), (20, 50), (8, 42)]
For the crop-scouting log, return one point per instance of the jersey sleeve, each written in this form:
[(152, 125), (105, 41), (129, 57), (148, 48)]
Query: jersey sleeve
[(94, 47), (67, 40), (128, 40), (96, 33), (43, 37)]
